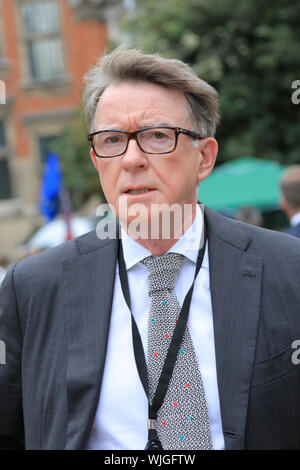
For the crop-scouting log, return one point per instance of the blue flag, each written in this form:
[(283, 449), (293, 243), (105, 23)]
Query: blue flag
[(51, 187)]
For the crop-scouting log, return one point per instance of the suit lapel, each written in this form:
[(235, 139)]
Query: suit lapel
[(235, 279), (88, 287)]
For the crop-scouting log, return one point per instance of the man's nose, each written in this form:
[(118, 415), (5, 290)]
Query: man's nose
[(134, 157)]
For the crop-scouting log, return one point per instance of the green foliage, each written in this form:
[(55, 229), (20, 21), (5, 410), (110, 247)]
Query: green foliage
[(79, 173), (249, 51)]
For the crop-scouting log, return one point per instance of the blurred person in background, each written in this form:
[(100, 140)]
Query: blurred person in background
[(77, 318), (250, 215), (290, 198)]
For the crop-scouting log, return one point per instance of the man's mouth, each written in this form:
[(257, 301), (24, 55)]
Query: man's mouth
[(138, 191)]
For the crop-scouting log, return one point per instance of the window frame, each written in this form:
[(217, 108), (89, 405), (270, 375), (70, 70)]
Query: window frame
[(31, 38)]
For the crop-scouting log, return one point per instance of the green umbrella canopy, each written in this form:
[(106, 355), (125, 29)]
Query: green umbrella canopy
[(243, 182)]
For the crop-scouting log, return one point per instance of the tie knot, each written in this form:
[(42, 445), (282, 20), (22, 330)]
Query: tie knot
[(163, 271)]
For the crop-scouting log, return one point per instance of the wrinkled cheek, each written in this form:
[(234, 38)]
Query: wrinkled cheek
[(108, 180)]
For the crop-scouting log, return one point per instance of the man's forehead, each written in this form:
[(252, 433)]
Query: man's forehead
[(151, 101), (151, 90)]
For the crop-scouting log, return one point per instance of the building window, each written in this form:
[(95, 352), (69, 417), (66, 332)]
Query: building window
[(42, 36), (47, 145), (5, 183)]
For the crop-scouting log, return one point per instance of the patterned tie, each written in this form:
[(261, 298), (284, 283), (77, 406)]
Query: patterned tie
[(182, 421)]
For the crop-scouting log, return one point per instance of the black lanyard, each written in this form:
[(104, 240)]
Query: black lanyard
[(167, 370)]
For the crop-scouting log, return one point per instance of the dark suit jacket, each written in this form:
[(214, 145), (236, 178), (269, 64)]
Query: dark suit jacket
[(295, 231), (54, 318)]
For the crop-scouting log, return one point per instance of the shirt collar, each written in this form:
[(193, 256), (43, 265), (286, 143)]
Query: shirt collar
[(295, 220), (187, 245)]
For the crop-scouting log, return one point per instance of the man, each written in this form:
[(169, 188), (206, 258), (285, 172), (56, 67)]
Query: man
[(95, 327), (290, 198)]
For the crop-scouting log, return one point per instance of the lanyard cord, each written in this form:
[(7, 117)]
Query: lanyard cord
[(172, 353)]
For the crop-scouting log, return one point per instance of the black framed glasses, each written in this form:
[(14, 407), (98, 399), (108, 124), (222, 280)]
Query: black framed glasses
[(154, 140)]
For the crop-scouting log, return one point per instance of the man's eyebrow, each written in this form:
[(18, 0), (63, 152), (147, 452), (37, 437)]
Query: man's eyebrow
[(142, 126), (157, 124), (108, 128)]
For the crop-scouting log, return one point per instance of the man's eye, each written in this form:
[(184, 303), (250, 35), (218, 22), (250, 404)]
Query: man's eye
[(158, 135), (112, 139)]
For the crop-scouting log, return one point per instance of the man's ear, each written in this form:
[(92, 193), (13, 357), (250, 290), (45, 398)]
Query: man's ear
[(94, 158), (284, 206), (209, 149)]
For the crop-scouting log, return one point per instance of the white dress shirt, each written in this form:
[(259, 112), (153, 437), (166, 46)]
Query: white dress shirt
[(122, 414), (295, 220)]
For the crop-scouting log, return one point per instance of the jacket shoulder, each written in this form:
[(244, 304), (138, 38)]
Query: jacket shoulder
[(249, 237), (48, 264)]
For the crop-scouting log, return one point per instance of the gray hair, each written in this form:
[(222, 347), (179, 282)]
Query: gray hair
[(133, 65), (290, 186)]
